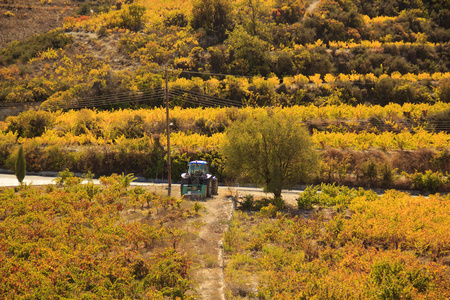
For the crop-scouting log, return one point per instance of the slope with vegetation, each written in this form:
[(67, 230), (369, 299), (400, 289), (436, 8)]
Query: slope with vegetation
[(113, 47)]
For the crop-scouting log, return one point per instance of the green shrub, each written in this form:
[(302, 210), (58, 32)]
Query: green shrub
[(66, 178), (31, 123), (269, 211), (306, 199), (54, 158), (387, 175), (444, 91), (429, 182), (248, 203), (25, 50), (441, 161), (176, 18), (133, 17), (278, 203), (7, 142), (439, 122), (370, 172), (327, 195), (394, 281)]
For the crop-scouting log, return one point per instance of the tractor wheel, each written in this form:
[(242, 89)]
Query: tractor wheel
[(215, 186), (209, 188)]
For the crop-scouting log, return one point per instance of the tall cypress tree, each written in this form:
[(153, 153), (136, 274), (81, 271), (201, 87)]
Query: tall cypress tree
[(21, 166)]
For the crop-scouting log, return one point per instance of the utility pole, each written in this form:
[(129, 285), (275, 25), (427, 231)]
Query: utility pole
[(169, 167)]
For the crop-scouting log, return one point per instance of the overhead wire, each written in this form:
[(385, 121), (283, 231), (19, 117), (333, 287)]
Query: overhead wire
[(206, 98), (117, 96), (204, 101), (223, 100), (112, 101), (196, 100), (183, 95)]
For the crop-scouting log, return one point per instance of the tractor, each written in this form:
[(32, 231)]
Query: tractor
[(198, 183)]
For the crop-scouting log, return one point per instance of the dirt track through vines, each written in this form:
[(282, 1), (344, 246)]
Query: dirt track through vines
[(206, 248)]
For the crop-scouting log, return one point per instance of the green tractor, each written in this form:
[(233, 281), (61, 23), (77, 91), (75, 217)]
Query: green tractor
[(198, 183)]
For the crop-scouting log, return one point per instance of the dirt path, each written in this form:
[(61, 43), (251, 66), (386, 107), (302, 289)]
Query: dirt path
[(312, 6), (208, 250), (203, 242)]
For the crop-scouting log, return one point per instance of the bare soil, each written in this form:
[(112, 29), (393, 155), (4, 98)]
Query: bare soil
[(208, 249), (313, 6), (21, 19)]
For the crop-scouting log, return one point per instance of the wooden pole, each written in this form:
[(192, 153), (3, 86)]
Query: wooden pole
[(169, 167)]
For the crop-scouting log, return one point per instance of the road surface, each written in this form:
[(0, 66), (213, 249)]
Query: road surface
[(10, 180)]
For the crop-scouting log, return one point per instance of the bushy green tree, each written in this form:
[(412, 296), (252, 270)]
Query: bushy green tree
[(273, 150), (214, 16), (133, 17), (250, 53), (30, 123), (444, 90), (253, 15), (22, 51), (288, 11)]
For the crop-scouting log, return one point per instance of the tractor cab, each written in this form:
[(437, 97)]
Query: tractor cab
[(198, 168)]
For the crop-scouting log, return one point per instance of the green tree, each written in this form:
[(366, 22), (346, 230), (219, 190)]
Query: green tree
[(250, 53), (20, 167), (214, 16), (273, 150), (252, 15), (133, 17), (288, 11), (444, 90)]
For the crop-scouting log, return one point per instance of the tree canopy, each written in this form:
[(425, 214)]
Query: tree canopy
[(273, 150)]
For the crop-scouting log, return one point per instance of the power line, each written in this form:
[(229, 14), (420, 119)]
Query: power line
[(117, 96), (223, 100), (194, 100), (115, 101), (214, 101), (218, 74), (201, 101), (107, 100)]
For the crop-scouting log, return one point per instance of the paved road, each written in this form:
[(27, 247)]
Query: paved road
[(11, 180)]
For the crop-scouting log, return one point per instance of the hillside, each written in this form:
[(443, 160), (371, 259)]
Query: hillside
[(24, 18), (104, 48)]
